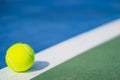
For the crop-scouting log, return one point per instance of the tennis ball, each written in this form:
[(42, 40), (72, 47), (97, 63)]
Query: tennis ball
[(20, 57)]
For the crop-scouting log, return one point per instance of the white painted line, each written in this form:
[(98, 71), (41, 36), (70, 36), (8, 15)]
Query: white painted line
[(66, 50)]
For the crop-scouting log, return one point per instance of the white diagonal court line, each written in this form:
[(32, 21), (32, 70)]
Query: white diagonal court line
[(66, 50)]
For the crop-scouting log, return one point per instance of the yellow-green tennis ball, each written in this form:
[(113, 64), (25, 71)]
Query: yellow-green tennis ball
[(20, 57)]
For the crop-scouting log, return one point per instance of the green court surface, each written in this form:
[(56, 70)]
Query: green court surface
[(99, 63)]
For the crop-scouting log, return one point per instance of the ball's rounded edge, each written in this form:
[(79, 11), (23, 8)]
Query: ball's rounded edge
[(11, 66)]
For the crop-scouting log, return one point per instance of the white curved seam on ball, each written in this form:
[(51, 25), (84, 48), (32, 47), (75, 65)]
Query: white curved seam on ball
[(11, 62), (27, 50)]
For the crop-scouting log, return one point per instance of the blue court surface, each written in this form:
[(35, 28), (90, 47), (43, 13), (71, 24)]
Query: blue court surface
[(43, 24)]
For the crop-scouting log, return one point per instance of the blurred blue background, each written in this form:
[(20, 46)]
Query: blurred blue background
[(43, 23)]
